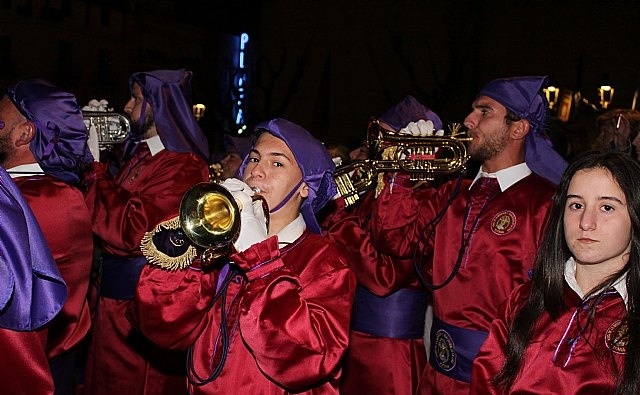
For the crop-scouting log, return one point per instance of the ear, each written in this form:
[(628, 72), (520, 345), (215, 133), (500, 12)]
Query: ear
[(520, 129), (26, 131), (304, 190)]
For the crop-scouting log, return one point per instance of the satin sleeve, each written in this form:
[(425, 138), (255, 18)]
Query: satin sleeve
[(121, 215), (296, 326), (381, 274), (170, 308), (399, 218)]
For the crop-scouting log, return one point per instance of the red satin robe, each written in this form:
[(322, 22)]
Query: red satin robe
[(499, 256), (404, 359), (287, 318), (65, 222), (147, 190), (586, 370), (24, 368)]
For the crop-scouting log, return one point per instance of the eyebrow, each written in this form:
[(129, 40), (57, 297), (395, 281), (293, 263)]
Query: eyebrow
[(275, 153), (481, 106), (605, 198)]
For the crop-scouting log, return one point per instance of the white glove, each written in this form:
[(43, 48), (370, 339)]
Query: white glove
[(253, 222), (94, 146)]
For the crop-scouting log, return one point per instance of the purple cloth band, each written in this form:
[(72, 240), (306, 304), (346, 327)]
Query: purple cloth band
[(120, 276), (453, 349), (32, 290), (397, 316)]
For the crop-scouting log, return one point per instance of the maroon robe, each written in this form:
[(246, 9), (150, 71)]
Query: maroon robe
[(147, 190), (498, 257), (287, 317), (65, 222), (550, 364), (404, 358)]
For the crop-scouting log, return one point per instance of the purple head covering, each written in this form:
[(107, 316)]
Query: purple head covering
[(60, 142), (314, 162), (169, 94), (409, 110), (524, 97), (32, 291)]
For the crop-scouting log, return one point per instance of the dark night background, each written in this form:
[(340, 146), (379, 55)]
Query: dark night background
[(328, 65)]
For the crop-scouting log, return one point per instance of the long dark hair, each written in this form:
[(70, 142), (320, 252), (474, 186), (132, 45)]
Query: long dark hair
[(547, 287)]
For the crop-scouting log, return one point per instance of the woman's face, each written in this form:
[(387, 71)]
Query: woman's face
[(597, 225)]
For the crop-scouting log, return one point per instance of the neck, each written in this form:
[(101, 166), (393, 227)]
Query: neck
[(511, 156), (19, 158)]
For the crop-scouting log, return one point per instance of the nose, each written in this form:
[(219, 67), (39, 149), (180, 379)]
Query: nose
[(470, 121), (257, 171), (128, 107), (588, 220)]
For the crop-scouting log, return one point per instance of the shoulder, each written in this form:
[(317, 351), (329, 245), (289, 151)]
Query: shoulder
[(317, 253)]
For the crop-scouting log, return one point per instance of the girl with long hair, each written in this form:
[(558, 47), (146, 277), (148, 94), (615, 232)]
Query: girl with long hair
[(574, 329)]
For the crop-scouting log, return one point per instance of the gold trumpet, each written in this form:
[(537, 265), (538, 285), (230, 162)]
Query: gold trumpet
[(210, 218), (112, 127), (422, 157)]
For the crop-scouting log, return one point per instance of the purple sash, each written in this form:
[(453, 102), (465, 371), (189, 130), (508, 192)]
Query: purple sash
[(397, 316), (453, 349), (120, 276)]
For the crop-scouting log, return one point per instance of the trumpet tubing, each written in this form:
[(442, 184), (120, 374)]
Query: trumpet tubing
[(112, 128), (422, 157)]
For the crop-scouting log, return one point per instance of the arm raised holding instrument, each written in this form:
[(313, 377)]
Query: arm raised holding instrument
[(272, 317)]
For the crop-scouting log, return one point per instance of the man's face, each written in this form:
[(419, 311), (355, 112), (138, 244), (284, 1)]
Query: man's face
[(134, 109), (10, 118), (488, 127), (273, 169)]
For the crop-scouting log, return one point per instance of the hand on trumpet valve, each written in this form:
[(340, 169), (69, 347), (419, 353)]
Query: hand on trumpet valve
[(421, 128), (253, 217)]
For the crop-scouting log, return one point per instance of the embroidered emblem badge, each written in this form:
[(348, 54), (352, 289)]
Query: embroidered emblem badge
[(616, 337), (444, 351), (503, 223)]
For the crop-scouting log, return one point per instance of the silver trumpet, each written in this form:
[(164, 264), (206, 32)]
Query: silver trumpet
[(113, 128), (422, 157)]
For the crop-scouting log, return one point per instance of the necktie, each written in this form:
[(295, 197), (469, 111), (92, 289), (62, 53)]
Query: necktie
[(481, 193)]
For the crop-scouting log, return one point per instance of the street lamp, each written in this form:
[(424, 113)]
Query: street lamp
[(198, 111), (552, 93)]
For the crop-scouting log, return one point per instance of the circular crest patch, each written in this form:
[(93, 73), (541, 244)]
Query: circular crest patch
[(503, 223), (444, 351), (617, 337)]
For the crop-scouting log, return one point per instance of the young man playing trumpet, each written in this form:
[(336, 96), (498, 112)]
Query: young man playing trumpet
[(273, 318)]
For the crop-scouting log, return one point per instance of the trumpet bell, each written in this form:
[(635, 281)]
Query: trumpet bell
[(209, 216)]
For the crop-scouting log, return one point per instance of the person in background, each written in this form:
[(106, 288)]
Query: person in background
[(390, 303), (475, 238), (573, 329), (618, 130), (44, 148), (273, 316), (32, 292), (168, 156), (236, 149)]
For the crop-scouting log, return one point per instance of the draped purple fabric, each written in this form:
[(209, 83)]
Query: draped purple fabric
[(409, 110), (60, 142), (524, 97), (169, 94), (32, 290)]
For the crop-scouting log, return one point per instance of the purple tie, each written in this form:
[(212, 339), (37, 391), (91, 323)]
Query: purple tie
[(485, 189)]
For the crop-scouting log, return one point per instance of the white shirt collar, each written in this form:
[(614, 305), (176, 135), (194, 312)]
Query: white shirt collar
[(292, 231), (155, 144), (506, 177), (28, 170), (570, 277)]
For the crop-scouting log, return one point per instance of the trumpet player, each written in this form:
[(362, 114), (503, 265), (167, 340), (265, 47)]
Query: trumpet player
[(273, 318), (390, 302), (168, 153), (480, 234)]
